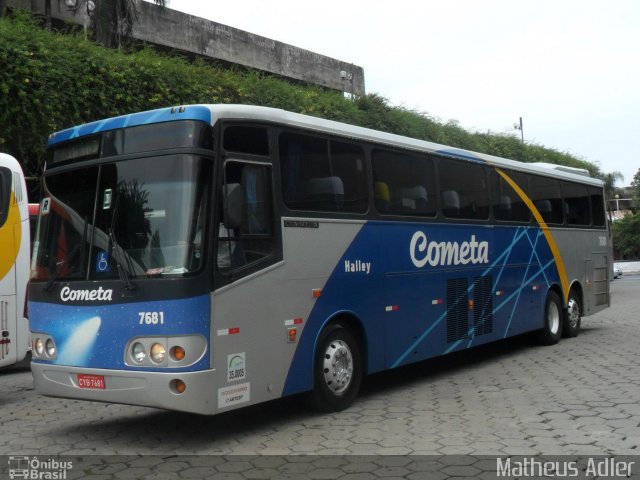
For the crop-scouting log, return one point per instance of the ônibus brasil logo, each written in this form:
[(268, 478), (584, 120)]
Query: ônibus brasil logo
[(434, 253), (99, 294)]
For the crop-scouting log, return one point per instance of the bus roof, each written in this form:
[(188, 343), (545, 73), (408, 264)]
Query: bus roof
[(213, 113), (10, 162)]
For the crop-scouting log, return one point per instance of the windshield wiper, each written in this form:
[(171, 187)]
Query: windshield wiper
[(124, 276), (55, 274)]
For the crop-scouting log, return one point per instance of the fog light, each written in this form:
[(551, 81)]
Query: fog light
[(177, 353), (138, 352), (39, 347), (158, 352), (50, 348), (177, 386)]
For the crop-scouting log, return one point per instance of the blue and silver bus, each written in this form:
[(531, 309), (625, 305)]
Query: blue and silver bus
[(208, 257)]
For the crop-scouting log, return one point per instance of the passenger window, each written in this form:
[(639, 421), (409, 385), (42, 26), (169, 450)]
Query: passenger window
[(597, 207), (245, 139), (577, 210), (508, 206), (5, 193), (404, 184), (322, 175), (246, 233), (463, 190), (545, 194)]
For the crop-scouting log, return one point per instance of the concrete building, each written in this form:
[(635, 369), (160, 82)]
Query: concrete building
[(193, 35)]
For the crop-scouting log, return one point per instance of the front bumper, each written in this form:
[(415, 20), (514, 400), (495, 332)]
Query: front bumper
[(149, 389)]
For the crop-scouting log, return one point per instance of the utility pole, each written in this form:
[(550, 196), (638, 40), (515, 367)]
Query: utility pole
[(519, 127)]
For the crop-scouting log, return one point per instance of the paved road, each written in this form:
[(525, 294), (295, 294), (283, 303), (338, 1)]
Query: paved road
[(513, 398)]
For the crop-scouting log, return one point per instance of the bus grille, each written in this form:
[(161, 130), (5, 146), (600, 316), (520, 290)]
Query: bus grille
[(483, 306), (457, 309)]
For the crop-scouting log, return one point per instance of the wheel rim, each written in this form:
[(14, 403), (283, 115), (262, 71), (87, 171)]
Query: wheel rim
[(553, 318), (574, 312), (338, 366)]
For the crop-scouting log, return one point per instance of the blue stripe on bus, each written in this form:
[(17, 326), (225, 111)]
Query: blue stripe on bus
[(455, 153), (96, 336), (417, 330), (194, 112)]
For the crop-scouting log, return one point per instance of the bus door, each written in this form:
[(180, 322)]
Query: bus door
[(245, 340), (9, 249)]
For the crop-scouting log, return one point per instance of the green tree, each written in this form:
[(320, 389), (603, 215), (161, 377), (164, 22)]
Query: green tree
[(626, 237), (635, 190), (610, 179)]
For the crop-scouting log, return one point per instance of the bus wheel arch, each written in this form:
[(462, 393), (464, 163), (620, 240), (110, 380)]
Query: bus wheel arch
[(338, 364), (573, 313)]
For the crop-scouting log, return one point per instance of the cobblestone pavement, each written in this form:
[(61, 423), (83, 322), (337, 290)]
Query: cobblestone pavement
[(580, 397)]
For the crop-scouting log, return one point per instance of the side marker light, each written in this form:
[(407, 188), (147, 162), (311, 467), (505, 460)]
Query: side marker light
[(177, 353), (292, 334)]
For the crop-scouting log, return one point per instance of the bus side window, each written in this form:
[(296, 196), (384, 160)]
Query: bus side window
[(404, 184), (246, 233), (508, 205), (545, 193), (464, 190), (5, 190), (597, 207), (577, 210)]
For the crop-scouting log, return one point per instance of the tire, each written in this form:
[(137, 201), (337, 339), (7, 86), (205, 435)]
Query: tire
[(552, 330), (337, 370), (573, 317)]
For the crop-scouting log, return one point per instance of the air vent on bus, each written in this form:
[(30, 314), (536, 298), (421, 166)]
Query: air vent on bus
[(457, 309), (483, 305)]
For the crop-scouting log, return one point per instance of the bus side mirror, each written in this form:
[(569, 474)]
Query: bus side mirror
[(233, 200)]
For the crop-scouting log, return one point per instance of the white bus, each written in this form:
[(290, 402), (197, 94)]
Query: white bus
[(14, 262)]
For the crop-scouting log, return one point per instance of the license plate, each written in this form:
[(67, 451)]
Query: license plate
[(91, 381)]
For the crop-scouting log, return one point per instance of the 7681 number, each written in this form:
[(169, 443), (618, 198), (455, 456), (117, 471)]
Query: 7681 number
[(151, 318)]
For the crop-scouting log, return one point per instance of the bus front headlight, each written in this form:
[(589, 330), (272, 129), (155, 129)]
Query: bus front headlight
[(158, 352), (39, 345), (50, 348), (138, 353)]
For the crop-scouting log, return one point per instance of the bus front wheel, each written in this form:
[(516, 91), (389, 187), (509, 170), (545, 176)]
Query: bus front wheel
[(552, 330), (337, 370)]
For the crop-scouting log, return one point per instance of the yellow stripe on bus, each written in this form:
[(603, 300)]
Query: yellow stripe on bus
[(545, 230), (9, 245)]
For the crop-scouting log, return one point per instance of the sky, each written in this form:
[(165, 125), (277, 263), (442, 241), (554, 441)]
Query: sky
[(569, 68)]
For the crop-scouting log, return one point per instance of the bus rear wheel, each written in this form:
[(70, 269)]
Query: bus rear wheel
[(573, 318), (337, 370), (552, 330)]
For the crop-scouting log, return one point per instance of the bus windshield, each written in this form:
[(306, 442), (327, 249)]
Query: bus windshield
[(143, 216)]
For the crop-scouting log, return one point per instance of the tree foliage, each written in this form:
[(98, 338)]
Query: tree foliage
[(635, 190), (626, 237), (50, 81), (610, 179)]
